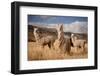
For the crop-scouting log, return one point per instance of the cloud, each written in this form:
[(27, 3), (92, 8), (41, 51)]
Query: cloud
[(44, 17), (76, 27), (47, 17)]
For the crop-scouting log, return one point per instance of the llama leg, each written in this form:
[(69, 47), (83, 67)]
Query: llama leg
[(76, 49), (52, 45), (49, 45), (69, 49), (83, 50)]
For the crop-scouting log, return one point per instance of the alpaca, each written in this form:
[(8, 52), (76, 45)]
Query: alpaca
[(62, 43), (48, 40), (78, 43)]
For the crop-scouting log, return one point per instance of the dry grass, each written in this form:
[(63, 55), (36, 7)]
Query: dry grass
[(35, 52)]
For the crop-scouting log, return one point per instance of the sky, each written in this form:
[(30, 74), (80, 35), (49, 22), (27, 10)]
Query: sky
[(44, 19), (71, 23)]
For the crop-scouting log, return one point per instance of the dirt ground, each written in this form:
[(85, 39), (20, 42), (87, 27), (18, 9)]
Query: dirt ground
[(35, 52)]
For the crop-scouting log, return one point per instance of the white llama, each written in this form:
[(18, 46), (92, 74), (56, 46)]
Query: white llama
[(78, 43)]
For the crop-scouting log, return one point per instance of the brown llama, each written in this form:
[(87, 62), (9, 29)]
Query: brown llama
[(62, 43)]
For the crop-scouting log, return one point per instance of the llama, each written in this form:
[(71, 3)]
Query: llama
[(78, 43), (62, 43), (48, 40)]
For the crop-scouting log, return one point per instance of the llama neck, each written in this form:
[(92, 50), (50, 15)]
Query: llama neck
[(37, 37), (60, 35), (73, 39)]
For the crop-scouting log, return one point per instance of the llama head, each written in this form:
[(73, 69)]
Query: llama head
[(60, 27), (74, 37), (35, 30)]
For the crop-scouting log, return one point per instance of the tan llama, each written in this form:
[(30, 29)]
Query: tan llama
[(61, 43), (48, 40)]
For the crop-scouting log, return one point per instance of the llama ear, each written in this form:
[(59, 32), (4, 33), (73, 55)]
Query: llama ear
[(61, 27)]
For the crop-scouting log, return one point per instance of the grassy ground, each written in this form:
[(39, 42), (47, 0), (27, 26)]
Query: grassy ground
[(35, 52)]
